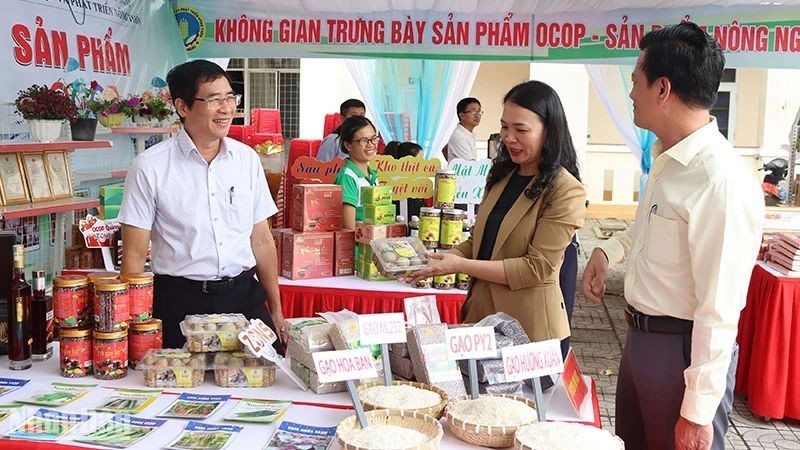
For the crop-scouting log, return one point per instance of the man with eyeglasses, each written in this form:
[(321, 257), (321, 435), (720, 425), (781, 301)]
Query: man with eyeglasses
[(462, 141), (202, 200)]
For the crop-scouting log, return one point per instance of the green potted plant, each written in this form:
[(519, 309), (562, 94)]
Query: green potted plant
[(110, 108), (152, 109), (45, 109), (84, 125)]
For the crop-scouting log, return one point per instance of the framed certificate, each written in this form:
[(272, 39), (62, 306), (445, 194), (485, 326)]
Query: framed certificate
[(13, 188), (36, 174), (58, 173)]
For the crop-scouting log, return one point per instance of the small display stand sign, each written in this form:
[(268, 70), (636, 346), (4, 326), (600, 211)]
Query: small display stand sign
[(472, 344), (383, 329), (532, 361), (346, 365)]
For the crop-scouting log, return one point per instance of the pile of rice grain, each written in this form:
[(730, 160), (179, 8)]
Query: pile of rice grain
[(385, 437), (493, 411), (400, 397), (562, 435)]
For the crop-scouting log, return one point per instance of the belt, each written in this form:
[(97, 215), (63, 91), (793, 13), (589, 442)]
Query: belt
[(221, 286), (657, 324)]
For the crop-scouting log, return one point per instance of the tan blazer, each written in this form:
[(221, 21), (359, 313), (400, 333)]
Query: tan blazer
[(531, 242)]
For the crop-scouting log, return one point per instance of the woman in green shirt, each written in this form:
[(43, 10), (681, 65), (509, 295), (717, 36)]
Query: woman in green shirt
[(359, 141)]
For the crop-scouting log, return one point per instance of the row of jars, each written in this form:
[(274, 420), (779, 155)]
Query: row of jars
[(102, 299), (443, 229), (107, 355)]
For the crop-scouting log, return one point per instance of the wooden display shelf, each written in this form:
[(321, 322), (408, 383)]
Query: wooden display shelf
[(48, 207), (144, 130), (21, 147)]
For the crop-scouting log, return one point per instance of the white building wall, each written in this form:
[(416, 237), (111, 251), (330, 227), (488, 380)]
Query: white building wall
[(324, 85)]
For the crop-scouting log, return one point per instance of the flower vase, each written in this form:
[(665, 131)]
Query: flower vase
[(145, 122), (83, 129), (112, 120), (44, 130)]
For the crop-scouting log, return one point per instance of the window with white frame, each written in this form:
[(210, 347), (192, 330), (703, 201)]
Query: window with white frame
[(725, 107), (268, 83)]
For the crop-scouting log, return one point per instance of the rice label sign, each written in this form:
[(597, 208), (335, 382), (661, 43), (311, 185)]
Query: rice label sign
[(381, 328), (471, 343), (470, 179), (344, 365), (537, 359)]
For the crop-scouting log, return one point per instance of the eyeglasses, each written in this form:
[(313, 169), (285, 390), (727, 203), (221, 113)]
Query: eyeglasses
[(475, 112), (364, 141), (218, 102)]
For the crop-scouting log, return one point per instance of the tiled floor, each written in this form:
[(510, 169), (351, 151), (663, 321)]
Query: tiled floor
[(598, 334)]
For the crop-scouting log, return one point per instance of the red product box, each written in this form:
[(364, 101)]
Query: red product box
[(366, 232), (344, 246), (317, 207), (277, 236), (307, 255)]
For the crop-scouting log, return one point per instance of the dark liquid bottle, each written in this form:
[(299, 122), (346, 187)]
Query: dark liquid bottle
[(19, 312), (41, 319)]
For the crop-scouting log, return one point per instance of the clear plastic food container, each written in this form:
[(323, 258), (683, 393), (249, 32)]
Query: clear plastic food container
[(213, 332), (240, 370), (170, 367), (396, 256)]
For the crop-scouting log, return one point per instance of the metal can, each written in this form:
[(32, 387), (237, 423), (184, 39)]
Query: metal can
[(462, 281), (444, 281), (445, 190), (140, 295), (111, 306), (429, 224), (94, 277), (71, 301), (141, 338), (75, 352), (452, 227), (110, 355)]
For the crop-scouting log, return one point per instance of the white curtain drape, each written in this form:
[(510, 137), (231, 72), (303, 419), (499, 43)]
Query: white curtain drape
[(424, 93)]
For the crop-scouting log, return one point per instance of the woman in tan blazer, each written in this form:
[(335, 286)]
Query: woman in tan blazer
[(533, 204)]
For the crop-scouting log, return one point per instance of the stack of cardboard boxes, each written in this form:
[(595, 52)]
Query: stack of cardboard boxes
[(315, 246), (379, 222)]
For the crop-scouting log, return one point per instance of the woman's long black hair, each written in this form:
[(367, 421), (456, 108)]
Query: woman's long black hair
[(557, 151)]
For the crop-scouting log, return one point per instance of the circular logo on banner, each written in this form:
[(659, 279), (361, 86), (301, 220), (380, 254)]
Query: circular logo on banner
[(191, 25)]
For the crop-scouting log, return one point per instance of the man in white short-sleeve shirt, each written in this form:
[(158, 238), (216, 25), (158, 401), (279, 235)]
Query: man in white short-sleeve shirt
[(202, 200), (462, 141)]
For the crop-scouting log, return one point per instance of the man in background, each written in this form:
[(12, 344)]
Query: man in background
[(462, 141), (330, 147)]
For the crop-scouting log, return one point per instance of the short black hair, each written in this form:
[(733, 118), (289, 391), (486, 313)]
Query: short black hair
[(351, 103), (350, 127), (686, 55), (408, 149), (391, 148), (464, 102), (184, 79)]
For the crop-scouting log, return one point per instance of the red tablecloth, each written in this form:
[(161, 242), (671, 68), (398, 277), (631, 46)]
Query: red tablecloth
[(303, 301), (769, 341)]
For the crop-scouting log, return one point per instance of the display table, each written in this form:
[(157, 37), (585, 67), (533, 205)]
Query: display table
[(769, 341), (305, 298), (307, 408)]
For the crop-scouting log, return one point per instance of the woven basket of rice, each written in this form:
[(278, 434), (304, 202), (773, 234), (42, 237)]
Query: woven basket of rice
[(497, 422), (381, 437), (435, 411)]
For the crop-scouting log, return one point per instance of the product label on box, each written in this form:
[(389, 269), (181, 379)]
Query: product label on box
[(386, 328), (537, 359), (471, 343), (98, 233), (254, 375), (439, 367)]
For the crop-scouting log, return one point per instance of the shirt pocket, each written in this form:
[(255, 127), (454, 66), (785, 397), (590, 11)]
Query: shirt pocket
[(240, 211), (664, 240)]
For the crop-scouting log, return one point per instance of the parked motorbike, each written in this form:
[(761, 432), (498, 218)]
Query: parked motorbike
[(774, 186)]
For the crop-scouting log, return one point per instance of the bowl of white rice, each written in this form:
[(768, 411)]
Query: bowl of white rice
[(390, 430), (403, 396), (566, 436), (489, 420)]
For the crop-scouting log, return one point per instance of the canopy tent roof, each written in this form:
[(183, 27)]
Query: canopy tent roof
[(494, 6)]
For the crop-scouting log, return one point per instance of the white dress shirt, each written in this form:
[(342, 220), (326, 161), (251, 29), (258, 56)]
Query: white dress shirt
[(200, 215), (462, 144), (691, 251)]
